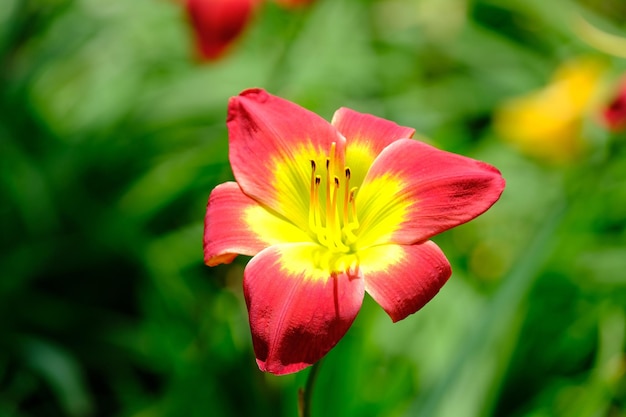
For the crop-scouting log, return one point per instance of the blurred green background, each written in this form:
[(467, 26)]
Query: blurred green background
[(112, 136)]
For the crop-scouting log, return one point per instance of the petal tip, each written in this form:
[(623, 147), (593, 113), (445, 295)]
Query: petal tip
[(444, 274), (280, 369), (414, 276), (255, 93), (235, 103), (498, 181)]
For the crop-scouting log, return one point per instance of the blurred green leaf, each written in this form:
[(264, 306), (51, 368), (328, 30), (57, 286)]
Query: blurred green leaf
[(61, 371)]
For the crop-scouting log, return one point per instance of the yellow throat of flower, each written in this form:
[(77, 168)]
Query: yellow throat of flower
[(333, 228)]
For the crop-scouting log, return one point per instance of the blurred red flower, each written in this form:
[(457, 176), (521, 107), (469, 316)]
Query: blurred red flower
[(218, 23), (615, 113)]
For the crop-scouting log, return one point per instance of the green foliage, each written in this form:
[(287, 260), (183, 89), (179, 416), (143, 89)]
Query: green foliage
[(112, 137)]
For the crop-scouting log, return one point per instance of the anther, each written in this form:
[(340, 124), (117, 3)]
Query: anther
[(353, 193)]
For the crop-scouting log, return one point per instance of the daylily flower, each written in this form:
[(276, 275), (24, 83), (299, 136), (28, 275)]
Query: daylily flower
[(547, 124), (218, 23), (330, 211), (615, 113)]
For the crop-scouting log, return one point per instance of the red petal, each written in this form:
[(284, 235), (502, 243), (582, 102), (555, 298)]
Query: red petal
[(272, 142), (363, 129), (436, 190), (217, 23), (366, 137), (298, 311), (402, 279), (226, 233), (236, 224)]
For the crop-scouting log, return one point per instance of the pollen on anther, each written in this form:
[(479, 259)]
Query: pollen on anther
[(336, 182), (313, 165), (353, 193), (348, 173), (318, 180)]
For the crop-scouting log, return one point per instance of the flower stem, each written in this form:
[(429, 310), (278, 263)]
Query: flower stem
[(305, 395)]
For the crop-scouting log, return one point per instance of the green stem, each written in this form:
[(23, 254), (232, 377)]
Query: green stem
[(305, 395)]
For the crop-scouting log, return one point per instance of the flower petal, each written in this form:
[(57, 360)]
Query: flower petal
[(236, 224), (414, 191), (366, 137), (218, 23), (272, 143), (369, 131), (298, 309), (402, 279)]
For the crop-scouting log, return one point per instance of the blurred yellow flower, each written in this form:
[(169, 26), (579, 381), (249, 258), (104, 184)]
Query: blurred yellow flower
[(547, 124)]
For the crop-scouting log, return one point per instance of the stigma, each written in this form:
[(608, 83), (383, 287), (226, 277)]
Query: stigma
[(332, 208)]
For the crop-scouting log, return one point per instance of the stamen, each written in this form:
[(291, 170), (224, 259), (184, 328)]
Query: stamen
[(346, 189), (328, 198), (355, 220), (318, 227), (332, 157), (313, 199), (336, 230), (350, 226)]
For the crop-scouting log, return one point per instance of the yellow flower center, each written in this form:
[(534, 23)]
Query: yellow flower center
[(334, 228)]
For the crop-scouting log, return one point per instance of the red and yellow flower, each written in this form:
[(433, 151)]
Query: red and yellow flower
[(329, 211)]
